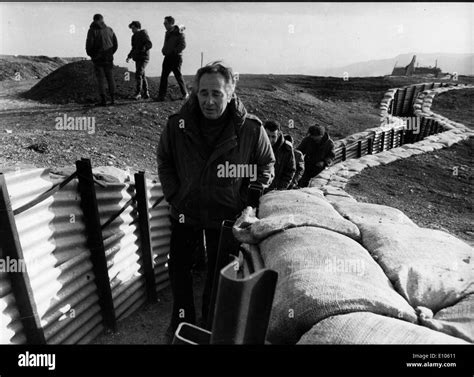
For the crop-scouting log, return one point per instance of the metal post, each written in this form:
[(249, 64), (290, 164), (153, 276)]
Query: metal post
[(370, 145), (95, 242), (228, 245), (22, 290), (402, 137), (255, 192), (359, 149), (145, 238)]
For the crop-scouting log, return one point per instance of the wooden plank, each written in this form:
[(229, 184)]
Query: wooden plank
[(95, 242), (145, 237)]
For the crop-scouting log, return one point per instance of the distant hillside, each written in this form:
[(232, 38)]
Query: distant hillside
[(30, 67), (463, 64)]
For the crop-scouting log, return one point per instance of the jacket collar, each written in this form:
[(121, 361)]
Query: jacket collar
[(98, 25), (278, 143), (191, 112)]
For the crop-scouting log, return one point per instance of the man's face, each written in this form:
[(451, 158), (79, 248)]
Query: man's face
[(134, 29), (273, 136), (168, 25), (317, 139), (213, 95)]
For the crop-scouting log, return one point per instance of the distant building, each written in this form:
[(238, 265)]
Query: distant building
[(411, 70)]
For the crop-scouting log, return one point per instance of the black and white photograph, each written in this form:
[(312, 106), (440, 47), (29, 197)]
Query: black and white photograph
[(236, 188)]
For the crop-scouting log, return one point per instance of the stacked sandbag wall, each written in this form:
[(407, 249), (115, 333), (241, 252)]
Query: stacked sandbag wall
[(363, 273)]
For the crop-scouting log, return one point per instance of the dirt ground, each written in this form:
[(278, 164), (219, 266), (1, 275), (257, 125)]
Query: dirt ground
[(149, 324), (433, 189), (450, 103), (126, 135)]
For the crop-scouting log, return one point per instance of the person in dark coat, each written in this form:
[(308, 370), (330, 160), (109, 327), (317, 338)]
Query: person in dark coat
[(140, 53), (208, 154), (318, 150), (101, 45), (299, 161), (285, 167), (172, 51)]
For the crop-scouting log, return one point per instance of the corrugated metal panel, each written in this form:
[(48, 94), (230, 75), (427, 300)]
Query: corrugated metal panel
[(398, 101), (418, 90), (160, 233), (408, 101), (122, 246), (53, 238), (11, 328)]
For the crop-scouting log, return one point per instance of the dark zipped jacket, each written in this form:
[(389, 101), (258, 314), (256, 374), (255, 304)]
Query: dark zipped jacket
[(189, 176), (141, 45), (101, 43), (316, 152), (175, 41), (285, 167)]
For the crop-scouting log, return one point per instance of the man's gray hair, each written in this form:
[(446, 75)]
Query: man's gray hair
[(215, 67)]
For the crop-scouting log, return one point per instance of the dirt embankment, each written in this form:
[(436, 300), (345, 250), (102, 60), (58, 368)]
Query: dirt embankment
[(126, 135), (19, 67), (457, 105), (433, 189)]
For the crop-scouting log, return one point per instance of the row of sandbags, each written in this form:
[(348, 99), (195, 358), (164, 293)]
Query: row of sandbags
[(360, 273)]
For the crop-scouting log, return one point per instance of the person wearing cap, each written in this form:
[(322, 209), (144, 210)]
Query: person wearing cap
[(318, 150), (299, 162), (285, 159), (101, 45), (140, 53)]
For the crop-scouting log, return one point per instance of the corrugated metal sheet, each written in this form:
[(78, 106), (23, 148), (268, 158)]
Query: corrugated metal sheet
[(406, 106), (122, 247), (11, 328), (160, 233), (53, 238)]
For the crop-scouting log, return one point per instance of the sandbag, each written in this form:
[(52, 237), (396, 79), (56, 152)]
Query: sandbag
[(428, 267), (322, 273), (370, 328), (362, 213), (252, 230), (456, 320), (301, 207)]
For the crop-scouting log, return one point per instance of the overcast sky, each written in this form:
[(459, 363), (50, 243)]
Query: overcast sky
[(251, 37)]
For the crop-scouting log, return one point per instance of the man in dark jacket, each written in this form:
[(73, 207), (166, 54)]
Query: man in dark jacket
[(101, 45), (172, 50), (140, 53), (207, 155), (299, 161), (285, 167), (318, 150)]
